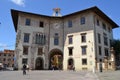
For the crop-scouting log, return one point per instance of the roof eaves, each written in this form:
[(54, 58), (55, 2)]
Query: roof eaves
[(98, 12)]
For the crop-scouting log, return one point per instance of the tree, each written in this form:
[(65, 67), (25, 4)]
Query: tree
[(116, 45)]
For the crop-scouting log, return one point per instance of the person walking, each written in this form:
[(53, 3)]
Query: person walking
[(73, 68), (24, 69), (27, 67)]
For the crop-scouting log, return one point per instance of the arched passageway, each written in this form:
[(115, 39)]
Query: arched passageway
[(56, 59)]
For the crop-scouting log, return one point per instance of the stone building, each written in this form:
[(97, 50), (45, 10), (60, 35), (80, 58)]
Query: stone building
[(7, 58), (79, 40)]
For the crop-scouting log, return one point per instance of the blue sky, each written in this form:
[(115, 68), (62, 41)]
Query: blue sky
[(7, 31)]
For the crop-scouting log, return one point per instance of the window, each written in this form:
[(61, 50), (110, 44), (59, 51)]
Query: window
[(56, 39), (98, 23), (56, 34), (82, 20), (109, 29), (70, 39), (100, 53), (40, 39), (110, 42), (26, 37), (41, 24), (83, 50), (105, 39), (106, 52), (27, 22), (9, 55), (84, 61), (99, 38), (4, 54), (69, 23), (83, 37), (100, 60), (25, 50), (70, 51), (9, 59), (24, 61), (8, 64), (104, 26), (40, 51), (4, 59)]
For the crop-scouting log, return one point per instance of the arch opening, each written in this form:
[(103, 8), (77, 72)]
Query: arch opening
[(56, 59), (39, 64)]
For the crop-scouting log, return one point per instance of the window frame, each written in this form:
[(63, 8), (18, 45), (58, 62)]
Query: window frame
[(100, 50), (28, 22), (104, 26), (26, 37), (98, 22), (25, 50), (70, 24), (84, 50), (56, 40), (84, 61), (41, 24), (105, 38), (24, 60), (99, 38), (106, 51), (82, 20), (70, 51), (70, 39), (83, 37), (40, 39)]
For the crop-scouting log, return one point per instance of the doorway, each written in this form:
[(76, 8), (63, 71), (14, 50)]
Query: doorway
[(39, 64)]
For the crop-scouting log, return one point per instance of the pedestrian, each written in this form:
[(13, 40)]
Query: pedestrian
[(73, 68), (24, 69), (27, 67)]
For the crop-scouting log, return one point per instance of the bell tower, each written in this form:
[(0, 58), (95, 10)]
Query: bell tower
[(56, 12)]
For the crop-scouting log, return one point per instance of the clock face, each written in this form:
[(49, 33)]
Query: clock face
[(56, 25)]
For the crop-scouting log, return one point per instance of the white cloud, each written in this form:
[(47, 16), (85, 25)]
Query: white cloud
[(19, 2), (3, 45)]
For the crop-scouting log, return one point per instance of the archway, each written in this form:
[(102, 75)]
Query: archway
[(70, 64), (56, 59), (39, 64)]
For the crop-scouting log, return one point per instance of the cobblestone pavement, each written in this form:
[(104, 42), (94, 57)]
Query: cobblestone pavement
[(48, 75), (109, 75)]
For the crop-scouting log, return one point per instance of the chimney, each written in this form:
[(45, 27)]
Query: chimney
[(57, 12)]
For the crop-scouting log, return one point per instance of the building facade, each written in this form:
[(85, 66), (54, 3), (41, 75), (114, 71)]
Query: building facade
[(7, 58), (80, 40)]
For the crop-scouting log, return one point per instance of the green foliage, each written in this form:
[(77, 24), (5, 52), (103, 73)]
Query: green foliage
[(116, 45)]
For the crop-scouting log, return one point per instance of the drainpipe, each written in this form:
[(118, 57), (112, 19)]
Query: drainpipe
[(63, 43), (95, 43), (48, 44)]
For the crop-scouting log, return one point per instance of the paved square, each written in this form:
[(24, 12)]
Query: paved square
[(47, 75), (109, 75)]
